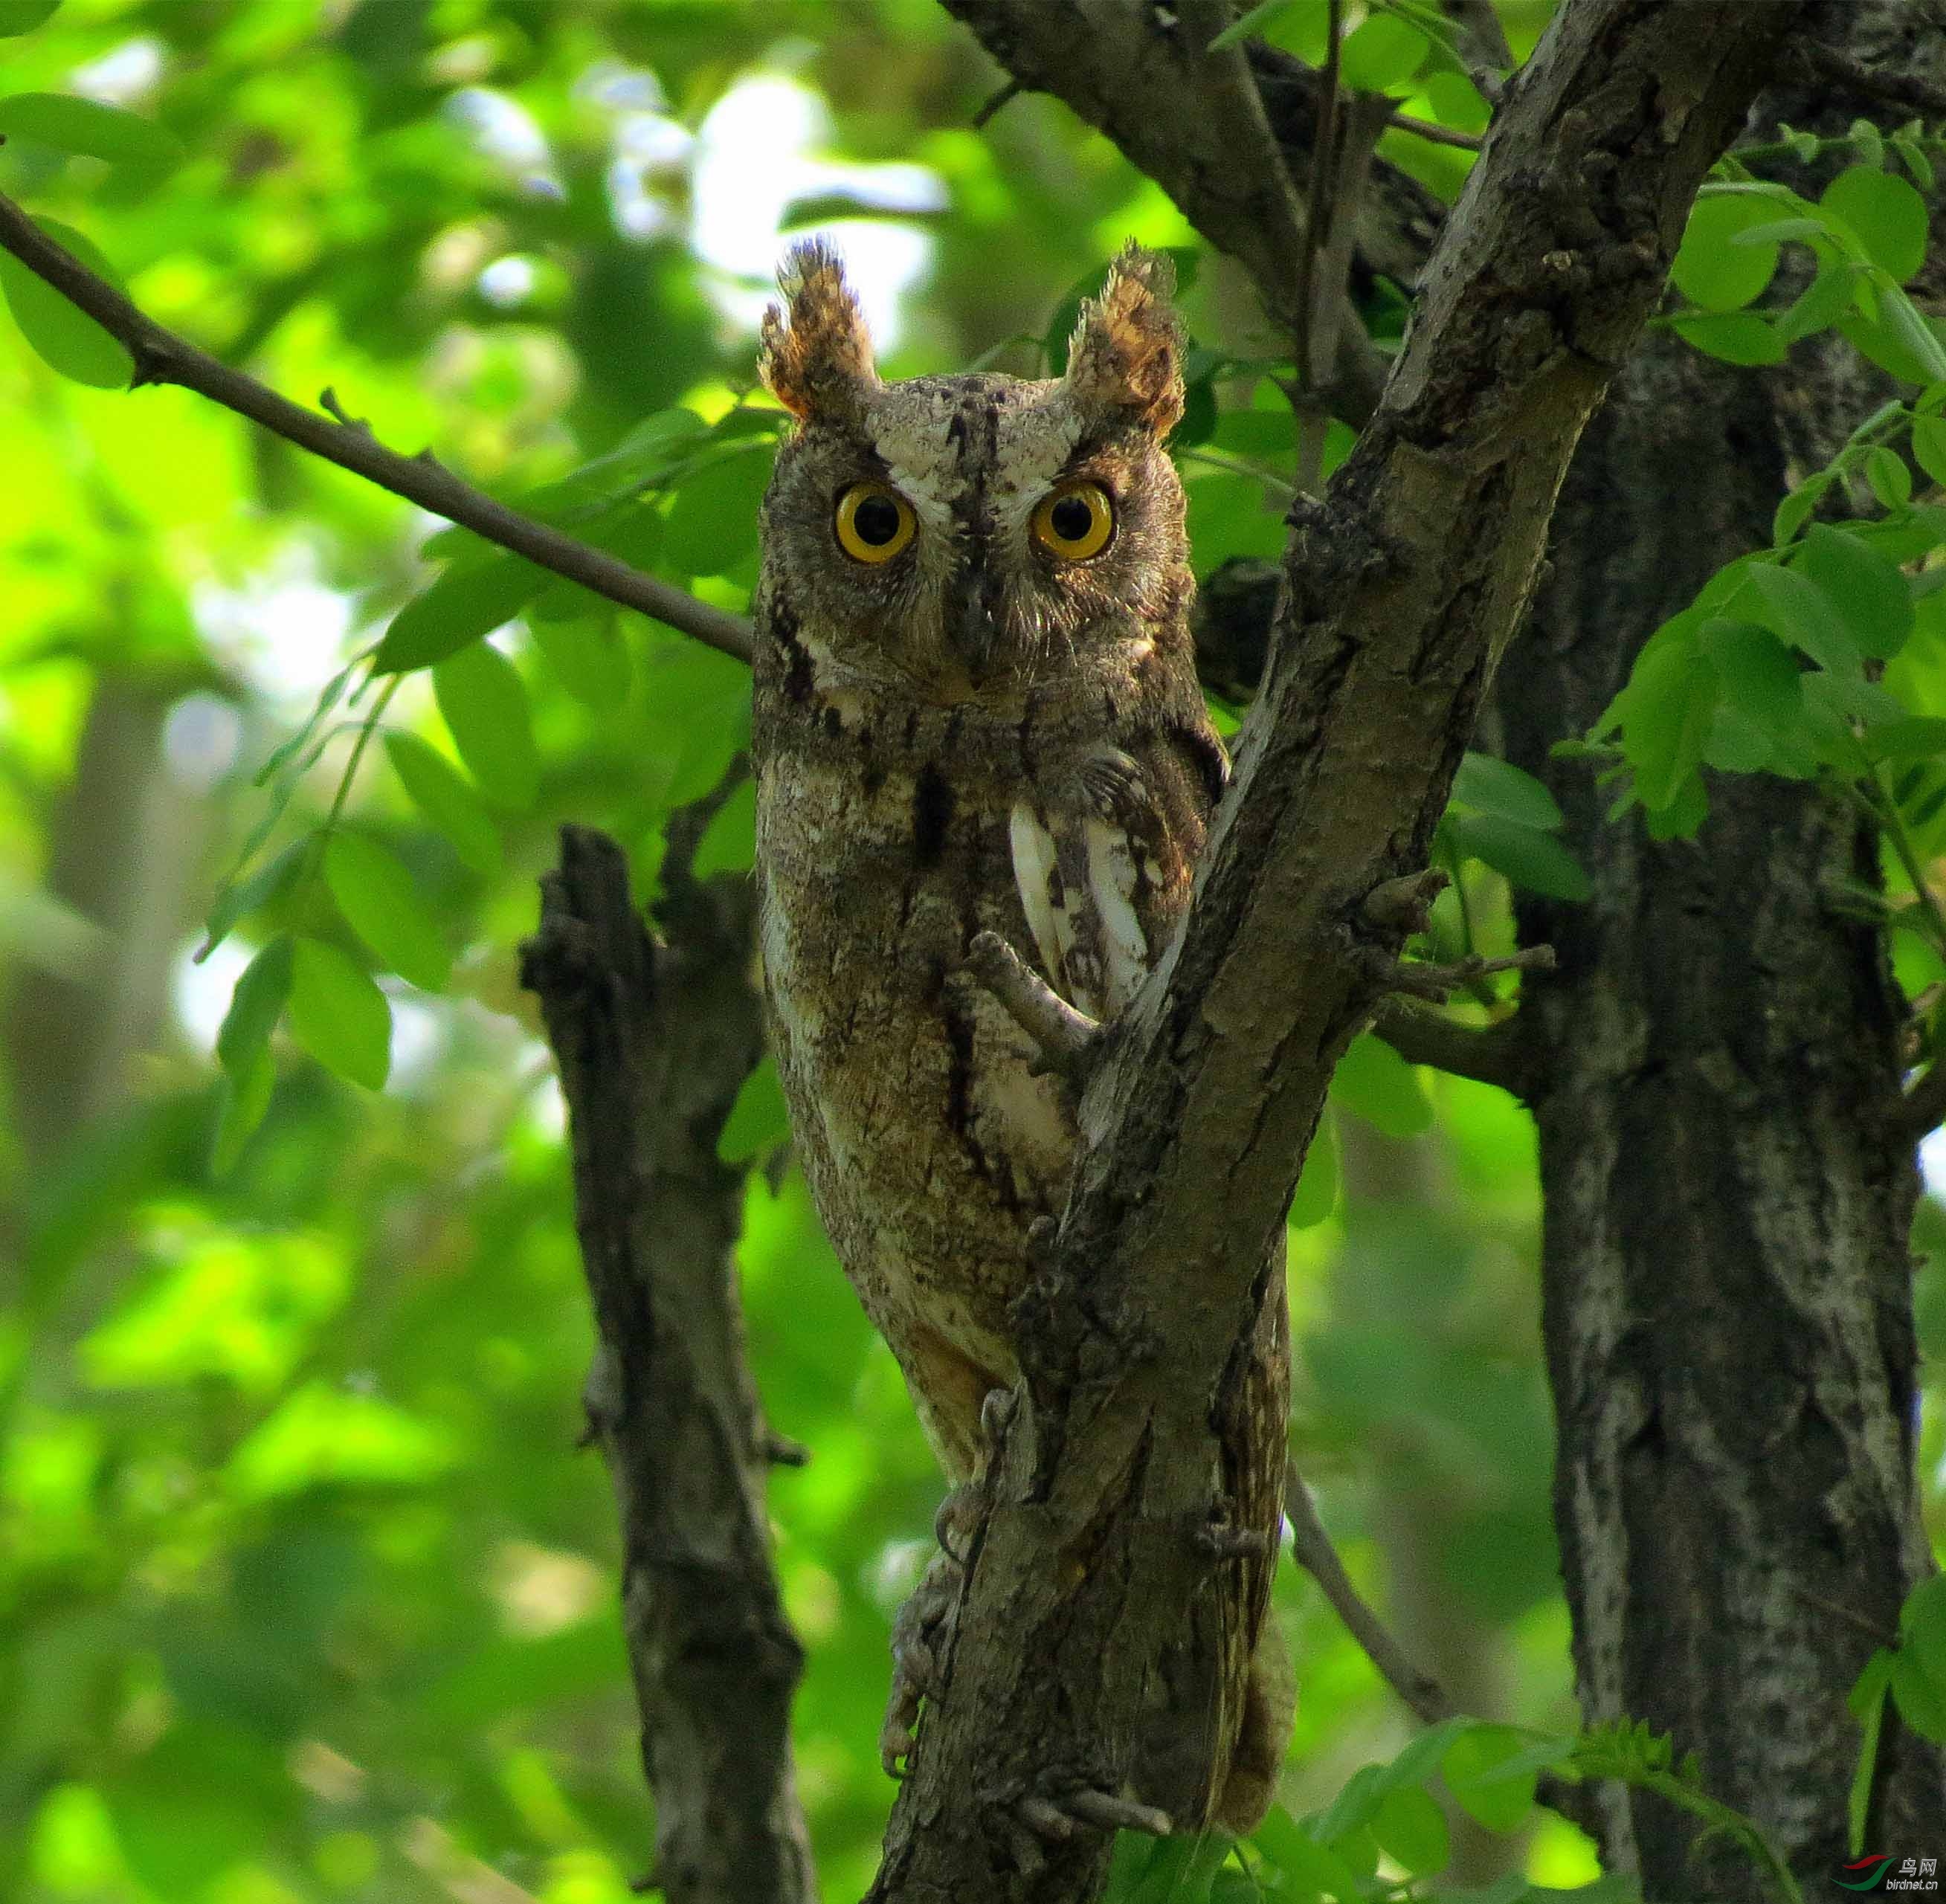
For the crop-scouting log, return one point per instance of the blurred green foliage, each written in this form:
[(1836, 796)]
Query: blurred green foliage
[(306, 1591)]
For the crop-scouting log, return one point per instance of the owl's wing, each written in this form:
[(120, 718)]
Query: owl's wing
[(1101, 876)]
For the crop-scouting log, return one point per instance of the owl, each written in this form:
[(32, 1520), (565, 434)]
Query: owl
[(977, 710)]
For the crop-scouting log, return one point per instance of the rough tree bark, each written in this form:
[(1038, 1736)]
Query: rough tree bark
[(1728, 1287), (652, 1040), (1401, 593)]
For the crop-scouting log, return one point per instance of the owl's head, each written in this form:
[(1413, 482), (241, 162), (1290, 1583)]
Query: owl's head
[(966, 535)]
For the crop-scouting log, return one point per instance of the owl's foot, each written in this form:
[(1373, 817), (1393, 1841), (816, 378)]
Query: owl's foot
[(920, 1632), (1068, 1041), (1058, 1820)]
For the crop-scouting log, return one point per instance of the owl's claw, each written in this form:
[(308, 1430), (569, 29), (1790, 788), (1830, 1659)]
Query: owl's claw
[(920, 1632), (1058, 1820)]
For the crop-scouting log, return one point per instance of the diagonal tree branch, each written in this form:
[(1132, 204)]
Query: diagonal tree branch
[(161, 356), (1176, 113), (653, 1041), (1400, 597)]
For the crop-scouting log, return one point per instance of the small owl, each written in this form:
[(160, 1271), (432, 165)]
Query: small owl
[(977, 710)]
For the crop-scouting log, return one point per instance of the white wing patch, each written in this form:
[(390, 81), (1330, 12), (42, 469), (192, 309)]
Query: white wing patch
[(1112, 881), (1036, 862)]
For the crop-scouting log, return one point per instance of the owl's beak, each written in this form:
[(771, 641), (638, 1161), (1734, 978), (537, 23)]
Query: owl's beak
[(978, 634)]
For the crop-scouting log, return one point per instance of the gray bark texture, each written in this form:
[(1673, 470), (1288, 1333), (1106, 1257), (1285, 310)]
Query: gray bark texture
[(652, 1040), (1402, 593), (1714, 1067), (1716, 1072)]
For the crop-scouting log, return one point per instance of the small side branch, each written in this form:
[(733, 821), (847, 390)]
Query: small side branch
[(161, 356), (1310, 1546), (1904, 92), (1438, 982), (1490, 1054), (1067, 1040), (1922, 1108)]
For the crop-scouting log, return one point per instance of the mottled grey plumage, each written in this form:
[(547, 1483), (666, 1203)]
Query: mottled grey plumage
[(981, 730)]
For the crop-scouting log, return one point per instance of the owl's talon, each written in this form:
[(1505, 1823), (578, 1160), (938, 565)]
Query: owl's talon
[(920, 1630), (1424, 979), (1066, 1040), (1058, 1820)]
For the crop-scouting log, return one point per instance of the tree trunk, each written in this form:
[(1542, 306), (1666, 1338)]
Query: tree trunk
[(1726, 1288)]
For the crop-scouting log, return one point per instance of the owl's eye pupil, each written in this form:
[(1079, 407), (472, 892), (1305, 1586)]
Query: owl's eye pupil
[(876, 520), (1071, 519)]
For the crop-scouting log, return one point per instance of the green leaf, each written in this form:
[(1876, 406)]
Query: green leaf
[(1712, 270), (1898, 339), (712, 524), (1921, 1627), (1866, 1700), (1794, 607), (376, 895), (1502, 1804), (1821, 304), (19, 16), (1891, 480), (1739, 337), (1876, 604), (1298, 1856), (1795, 510), (200, 1802), (484, 701), (240, 898), (1491, 786), (1382, 52), (1922, 737), (64, 338), (1411, 1830), (1253, 22), (476, 595), (757, 1122), (1888, 215), (1921, 1698), (1526, 855), (1374, 1082), (588, 657), (729, 842), (339, 1015), (1760, 674), (1316, 1193), (1929, 446), (441, 793), (259, 996), (83, 126), (246, 1097)]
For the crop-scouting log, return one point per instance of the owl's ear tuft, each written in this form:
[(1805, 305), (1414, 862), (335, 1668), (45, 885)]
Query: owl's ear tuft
[(1127, 349), (816, 355)]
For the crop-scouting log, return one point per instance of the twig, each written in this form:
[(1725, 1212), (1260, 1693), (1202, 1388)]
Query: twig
[(653, 1041), (1004, 97), (1490, 1054), (1232, 94), (1435, 135), (1481, 46), (1922, 1107), (1862, 82), (1067, 1039), (1438, 982), (161, 356), (1310, 1546)]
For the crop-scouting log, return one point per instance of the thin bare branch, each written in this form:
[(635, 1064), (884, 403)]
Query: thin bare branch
[(1310, 1546), (161, 356), (1490, 1054), (1921, 1111), (1435, 135)]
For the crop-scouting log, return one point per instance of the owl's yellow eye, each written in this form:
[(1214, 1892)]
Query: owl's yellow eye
[(1075, 521), (874, 522)]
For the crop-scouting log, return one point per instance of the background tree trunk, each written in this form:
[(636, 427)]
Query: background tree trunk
[(1726, 1286)]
